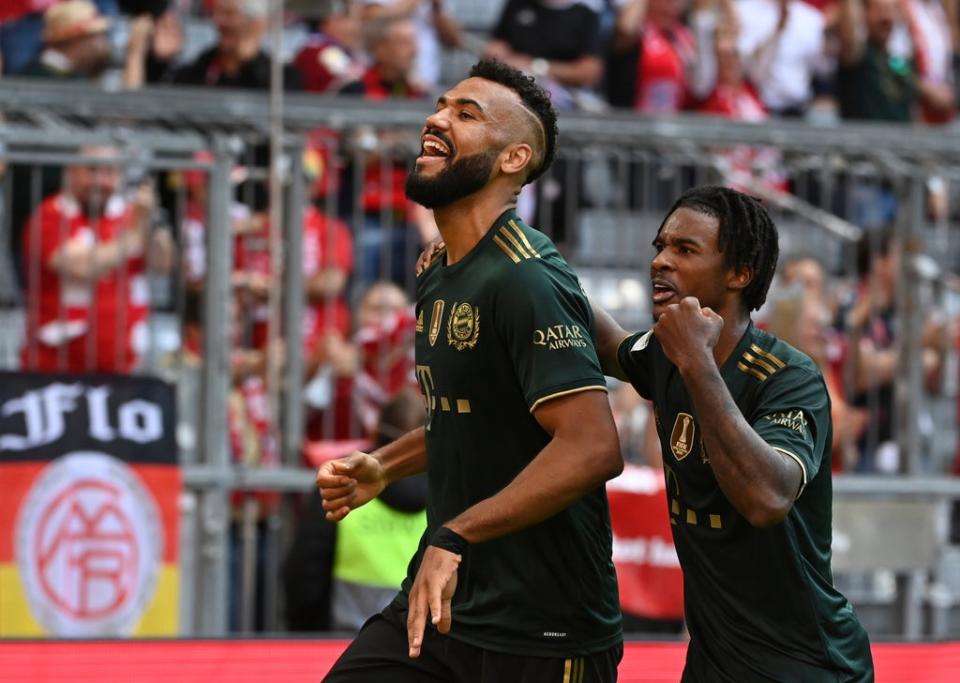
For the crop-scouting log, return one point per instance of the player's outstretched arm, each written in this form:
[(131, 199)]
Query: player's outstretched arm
[(583, 453), (349, 482), (609, 336), (759, 481)]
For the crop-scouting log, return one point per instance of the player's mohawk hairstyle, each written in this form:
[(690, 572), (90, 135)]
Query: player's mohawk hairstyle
[(533, 96), (747, 236)]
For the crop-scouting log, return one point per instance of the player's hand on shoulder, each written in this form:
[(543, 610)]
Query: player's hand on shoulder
[(687, 332), (432, 594), (427, 255), (349, 482)]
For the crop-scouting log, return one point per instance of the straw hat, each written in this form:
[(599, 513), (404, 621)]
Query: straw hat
[(72, 19)]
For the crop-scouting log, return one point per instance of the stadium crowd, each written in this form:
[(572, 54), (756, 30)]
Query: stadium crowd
[(85, 242), (888, 60)]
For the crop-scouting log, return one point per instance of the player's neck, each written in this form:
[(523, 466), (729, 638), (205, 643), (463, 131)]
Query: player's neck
[(464, 223), (735, 324)]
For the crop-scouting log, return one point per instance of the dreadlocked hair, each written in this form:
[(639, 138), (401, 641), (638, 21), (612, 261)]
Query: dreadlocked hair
[(747, 236), (536, 99)]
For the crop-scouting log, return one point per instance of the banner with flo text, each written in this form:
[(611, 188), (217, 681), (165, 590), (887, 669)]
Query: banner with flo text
[(89, 524)]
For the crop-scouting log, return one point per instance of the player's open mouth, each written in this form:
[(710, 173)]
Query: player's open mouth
[(433, 148), (662, 291)]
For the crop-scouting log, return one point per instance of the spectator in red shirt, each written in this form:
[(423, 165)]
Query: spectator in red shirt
[(732, 96), (85, 254), (652, 33), (367, 371), (333, 54), (386, 238)]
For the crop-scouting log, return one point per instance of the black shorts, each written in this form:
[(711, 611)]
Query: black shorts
[(379, 655)]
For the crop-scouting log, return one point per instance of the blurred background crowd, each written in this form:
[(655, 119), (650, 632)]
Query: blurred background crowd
[(888, 60)]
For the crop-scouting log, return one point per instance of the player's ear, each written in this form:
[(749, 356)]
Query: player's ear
[(740, 277), (515, 158)]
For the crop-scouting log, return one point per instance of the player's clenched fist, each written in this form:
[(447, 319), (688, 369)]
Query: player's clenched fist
[(688, 333), (347, 483)]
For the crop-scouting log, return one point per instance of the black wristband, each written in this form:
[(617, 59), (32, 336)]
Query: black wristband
[(449, 540)]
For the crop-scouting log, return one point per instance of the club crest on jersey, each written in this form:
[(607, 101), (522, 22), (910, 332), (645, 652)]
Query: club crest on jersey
[(436, 319), (681, 438), (463, 326)]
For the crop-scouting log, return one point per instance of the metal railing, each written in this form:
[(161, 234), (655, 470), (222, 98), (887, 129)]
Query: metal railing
[(614, 179)]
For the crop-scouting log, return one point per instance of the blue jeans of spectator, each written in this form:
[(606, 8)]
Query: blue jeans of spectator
[(388, 251)]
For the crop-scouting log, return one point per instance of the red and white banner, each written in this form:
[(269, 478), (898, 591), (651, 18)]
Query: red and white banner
[(651, 583), (88, 512)]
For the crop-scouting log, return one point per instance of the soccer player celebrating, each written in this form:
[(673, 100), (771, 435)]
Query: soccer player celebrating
[(514, 571), (744, 422)]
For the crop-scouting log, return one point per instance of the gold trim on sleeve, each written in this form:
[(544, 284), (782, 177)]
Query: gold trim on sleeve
[(505, 249), (523, 238), (750, 371), (515, 242), (592, 387), (567, 663), (803, 468)]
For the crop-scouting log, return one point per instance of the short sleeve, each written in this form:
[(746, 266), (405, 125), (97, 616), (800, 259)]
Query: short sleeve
[(635, 357), (547, 326), (792, 416)]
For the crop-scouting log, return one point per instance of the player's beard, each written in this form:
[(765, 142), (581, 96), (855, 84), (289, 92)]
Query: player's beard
[(456, 180)]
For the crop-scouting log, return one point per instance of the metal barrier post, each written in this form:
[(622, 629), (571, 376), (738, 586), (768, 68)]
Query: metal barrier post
[(293, 289), (213, 575), (909, 382)]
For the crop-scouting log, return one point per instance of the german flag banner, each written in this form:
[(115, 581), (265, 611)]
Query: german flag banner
[(89, 485)]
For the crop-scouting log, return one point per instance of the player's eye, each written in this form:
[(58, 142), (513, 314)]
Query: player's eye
[(466, 115)]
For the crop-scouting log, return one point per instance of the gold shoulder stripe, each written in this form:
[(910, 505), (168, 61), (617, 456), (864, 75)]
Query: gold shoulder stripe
[(593, 387), (750, 358), (750, 371), (505, 249), (523, 238), (567, 663), (769, 356), (513, 240)]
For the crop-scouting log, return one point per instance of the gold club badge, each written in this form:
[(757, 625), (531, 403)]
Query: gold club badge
[(681, 438), (463, 326)]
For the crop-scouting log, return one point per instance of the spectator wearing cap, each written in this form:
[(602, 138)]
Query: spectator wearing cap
[(75, 42), (333, 54), (435, 26)]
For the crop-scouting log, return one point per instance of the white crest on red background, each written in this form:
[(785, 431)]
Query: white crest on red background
[(89, 546)]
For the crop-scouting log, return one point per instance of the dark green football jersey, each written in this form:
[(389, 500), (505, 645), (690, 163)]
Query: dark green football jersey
[(760, 603), (498, 333)]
